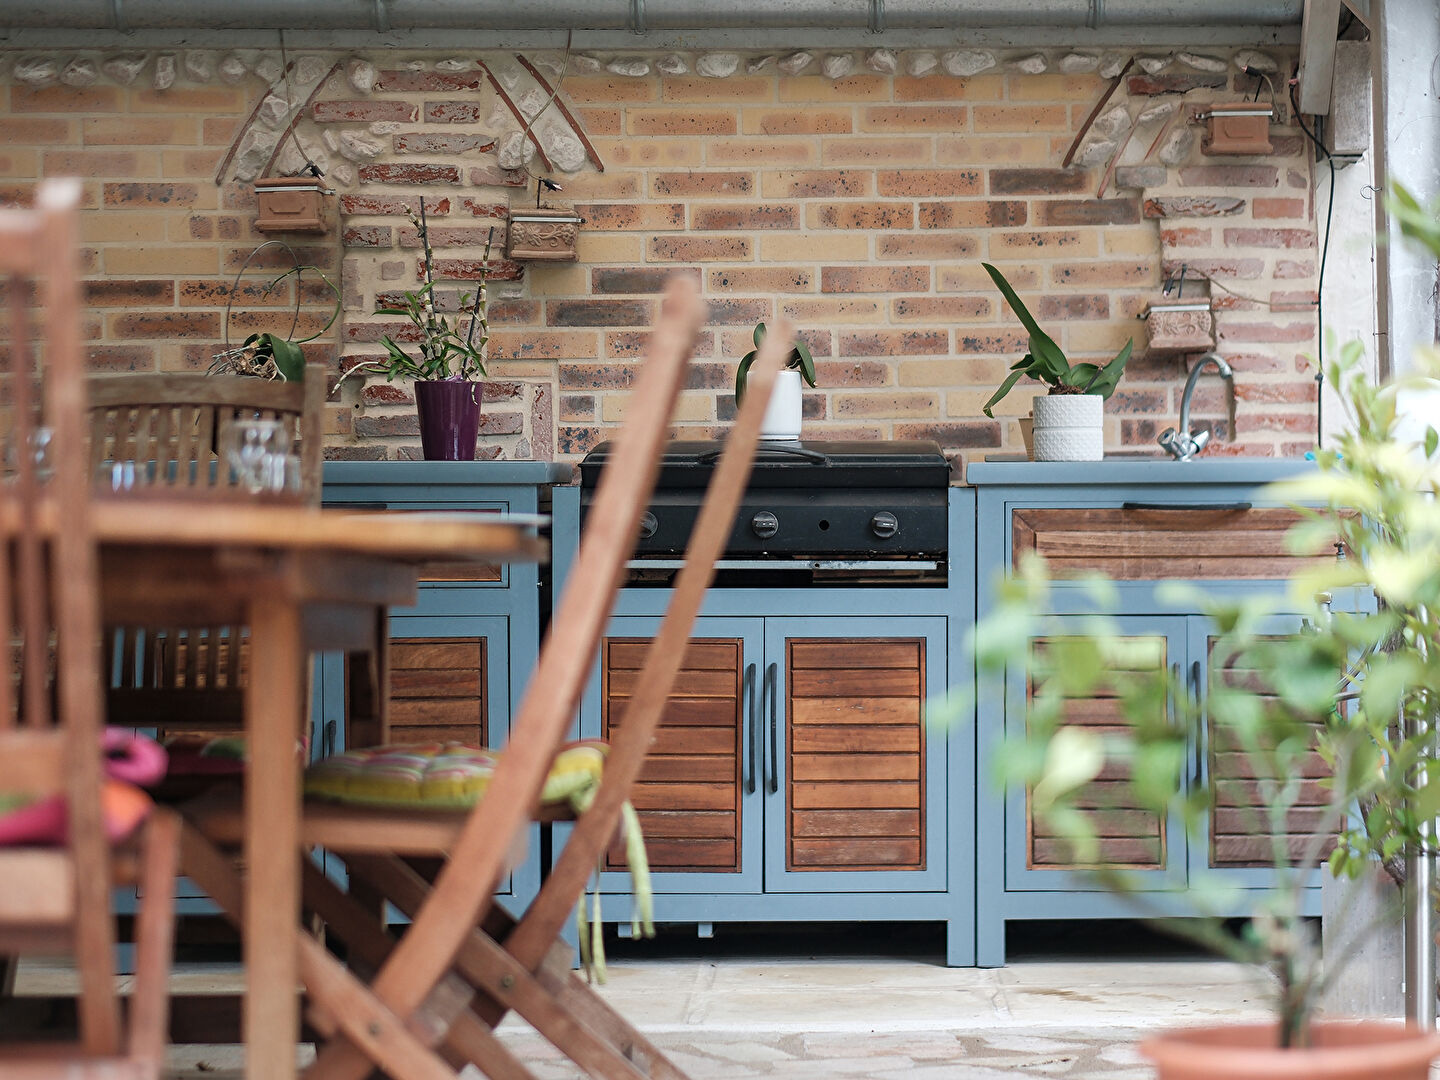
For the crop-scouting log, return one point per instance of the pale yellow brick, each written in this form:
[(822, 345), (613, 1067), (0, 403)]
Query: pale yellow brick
[(657, 152), (1097, 337), (767, 151), (756, 88), (694, 406), (588, 187), (569, 280), (971, 277), (841, 310), (537, 369), (951, 371), (17, 162), (191, 164), (128, 226), (124, 260), (970, 403), (1055, 86), (993, 150), (833, 247), (818, 88), (1044, 243), (610, 248), (1020, 118), (1137, 240), (876, 153)]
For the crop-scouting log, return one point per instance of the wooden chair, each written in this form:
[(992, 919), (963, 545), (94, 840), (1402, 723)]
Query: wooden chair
[(438, 991), (154, 434), (57, 897)]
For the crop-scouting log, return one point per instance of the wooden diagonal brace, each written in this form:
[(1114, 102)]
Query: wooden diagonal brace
[(515, 112), (590, 151)]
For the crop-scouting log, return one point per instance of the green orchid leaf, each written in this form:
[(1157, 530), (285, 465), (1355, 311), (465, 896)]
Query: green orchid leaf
[(1052, 364), (1010, 381), (742, 373), (289, 359), (801, 359), (1016, 304)]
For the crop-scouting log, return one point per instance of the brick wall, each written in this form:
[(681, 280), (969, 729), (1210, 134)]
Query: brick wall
[(856, 195)]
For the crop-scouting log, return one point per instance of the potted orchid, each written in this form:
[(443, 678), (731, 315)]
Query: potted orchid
[(445, 356)]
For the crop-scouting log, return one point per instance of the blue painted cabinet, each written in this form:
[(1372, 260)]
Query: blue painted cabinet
[(1210, 523), (796, 775)]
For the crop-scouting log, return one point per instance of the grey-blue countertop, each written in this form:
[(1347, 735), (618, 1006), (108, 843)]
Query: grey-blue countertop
[(1132, 470), (448, 472)]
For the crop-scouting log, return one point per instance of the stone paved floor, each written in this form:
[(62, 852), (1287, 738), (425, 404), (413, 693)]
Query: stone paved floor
[(868, 1003)]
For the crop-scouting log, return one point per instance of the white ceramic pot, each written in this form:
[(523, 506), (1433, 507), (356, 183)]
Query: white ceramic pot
[(782, 414), (1069, 427)]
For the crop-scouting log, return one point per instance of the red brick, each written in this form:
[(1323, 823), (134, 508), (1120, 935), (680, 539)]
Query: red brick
[(1288, 393), (420, 143), (638, 279), (1269, 420), (484, 208), (166, 324), (419, 82), (469, 270), (364, 112), (374, 236), (1270, 238), (857, 279), (698, 249), (763, 279), (1191, 237), (726, 311), (1192, 206), (1229, 331), (972, 434), (1089, 212), (216, 292), (1149, 85), (118, 359), (453, 112), (1232, 176), (1226, 268), (132, 195), (369, 205), (1131, 400), (1278, 208), (682, 184), (714, 218), (1078, 306), (595, 312), (123, 293), (409, 174), (385, 394), (633, 343), (972, 213), (1038, 181), (1302, 300), (895, 343), (1294, 268), (864, 215)]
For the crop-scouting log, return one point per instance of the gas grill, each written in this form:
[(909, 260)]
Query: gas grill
[(840, 510)]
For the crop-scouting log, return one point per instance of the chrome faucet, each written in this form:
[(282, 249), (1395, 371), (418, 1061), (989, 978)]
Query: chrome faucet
[(1185, 444)]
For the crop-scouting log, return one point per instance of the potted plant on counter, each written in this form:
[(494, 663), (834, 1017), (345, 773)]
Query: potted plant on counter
[(1068, 420), (1275, 704), (448, 363), (782, 415)]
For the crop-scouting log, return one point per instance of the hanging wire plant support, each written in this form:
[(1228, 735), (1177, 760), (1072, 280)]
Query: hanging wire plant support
[(267, 355)]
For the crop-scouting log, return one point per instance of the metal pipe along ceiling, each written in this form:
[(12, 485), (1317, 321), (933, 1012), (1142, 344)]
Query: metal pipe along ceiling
[(638, 16)]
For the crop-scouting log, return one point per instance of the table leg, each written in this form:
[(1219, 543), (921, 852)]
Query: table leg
[(273, 712)]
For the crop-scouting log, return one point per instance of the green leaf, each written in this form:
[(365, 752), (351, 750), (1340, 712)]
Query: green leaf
[(1016, 304), (1073, 758), (742, 373), (1010, 380), (289, 359), (759, 334), (1051, 363), (1432, 441), (806, 363)]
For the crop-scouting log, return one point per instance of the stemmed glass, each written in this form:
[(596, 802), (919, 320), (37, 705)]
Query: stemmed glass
[(258, 455)]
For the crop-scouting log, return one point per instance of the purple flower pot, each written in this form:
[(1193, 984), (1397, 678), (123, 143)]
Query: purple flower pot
[(449, 418)]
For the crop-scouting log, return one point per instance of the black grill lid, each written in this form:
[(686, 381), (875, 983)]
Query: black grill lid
[(804, 464)]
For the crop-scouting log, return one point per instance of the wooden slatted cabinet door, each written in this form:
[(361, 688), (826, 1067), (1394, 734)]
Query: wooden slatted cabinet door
[(688, 795), (1241, 834), (1129, 836), (855, 754), (439, 690)]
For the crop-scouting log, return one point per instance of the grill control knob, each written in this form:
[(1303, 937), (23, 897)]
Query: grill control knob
[(764, 524), (884, 525), (648, 525)]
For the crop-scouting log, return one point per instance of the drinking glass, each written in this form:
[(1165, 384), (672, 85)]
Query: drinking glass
[(256, 452)]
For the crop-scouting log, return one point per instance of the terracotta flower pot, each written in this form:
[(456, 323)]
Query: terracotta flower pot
[(1339, 1050), (449, 411)]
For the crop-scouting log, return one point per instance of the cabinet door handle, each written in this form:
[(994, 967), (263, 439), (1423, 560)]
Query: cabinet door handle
[(1200, 729), (752, 755), (1230, 507), (773, 678)]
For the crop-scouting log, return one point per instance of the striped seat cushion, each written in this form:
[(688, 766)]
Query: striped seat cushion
[(445, 776)]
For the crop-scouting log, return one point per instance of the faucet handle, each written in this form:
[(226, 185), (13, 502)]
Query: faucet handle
[(1168, 440), (1198, 440)]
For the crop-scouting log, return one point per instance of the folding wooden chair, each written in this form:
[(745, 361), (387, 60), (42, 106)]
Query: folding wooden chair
[(439, 990), (55, 895)]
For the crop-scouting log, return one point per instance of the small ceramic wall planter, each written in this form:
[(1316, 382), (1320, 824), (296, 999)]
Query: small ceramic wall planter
[(1069, 427), (291, 204), (544, 235), (781, 422), (1182, 327)]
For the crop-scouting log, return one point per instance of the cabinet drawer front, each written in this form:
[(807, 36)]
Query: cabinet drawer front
[(1148, 544), (856, 754), (688, 794)]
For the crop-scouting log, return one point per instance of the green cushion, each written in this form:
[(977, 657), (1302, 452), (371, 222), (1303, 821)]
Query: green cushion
[(445, 776)]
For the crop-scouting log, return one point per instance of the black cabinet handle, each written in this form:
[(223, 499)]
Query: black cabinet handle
[(772, 676), (1229, 508), (752, 756), (1200, 729)]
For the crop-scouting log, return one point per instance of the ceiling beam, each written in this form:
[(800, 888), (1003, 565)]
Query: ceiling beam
[(1318, 31)]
